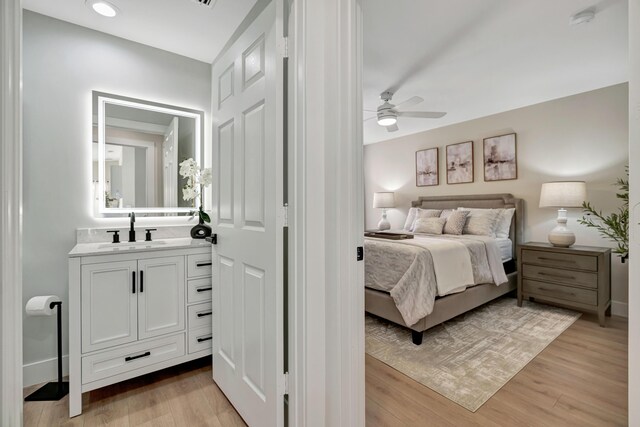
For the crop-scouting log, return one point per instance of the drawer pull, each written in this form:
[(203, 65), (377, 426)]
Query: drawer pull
[(559, 276), (203, 289), (570, 261), (130, 358), (202, 264), (208, 313), (557, 290), (205, 339)]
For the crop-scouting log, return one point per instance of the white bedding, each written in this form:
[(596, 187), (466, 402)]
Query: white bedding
[(506, 249), (406, 269)]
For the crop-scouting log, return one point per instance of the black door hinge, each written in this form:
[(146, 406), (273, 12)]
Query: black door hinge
[(359, 253)]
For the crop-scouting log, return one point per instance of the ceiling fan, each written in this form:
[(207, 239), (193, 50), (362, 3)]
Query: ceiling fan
[(387, 114)]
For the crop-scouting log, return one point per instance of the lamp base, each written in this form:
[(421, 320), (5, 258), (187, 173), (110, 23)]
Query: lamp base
[(384, 224), (561, 236)]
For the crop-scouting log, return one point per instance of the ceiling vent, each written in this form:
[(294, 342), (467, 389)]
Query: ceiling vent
[(207, 3)]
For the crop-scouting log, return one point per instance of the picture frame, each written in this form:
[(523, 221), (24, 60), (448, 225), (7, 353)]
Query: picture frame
[(427, 167), (500, 155), (460, 163)]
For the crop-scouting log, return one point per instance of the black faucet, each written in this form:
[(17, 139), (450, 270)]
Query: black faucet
[(132, 231)]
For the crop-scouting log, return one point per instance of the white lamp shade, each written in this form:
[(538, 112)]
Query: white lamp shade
[(383, 200), (567, 194)]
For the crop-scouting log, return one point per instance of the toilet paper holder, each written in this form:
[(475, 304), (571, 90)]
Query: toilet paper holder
[(53, 390)]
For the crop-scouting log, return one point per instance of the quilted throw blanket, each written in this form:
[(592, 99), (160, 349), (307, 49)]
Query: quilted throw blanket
[(410, 269)]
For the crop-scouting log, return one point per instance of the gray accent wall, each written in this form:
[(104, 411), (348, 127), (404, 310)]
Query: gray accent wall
[(581, 137), (63, 63)]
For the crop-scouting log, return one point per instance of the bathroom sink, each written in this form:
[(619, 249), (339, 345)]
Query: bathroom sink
[(132, 245)]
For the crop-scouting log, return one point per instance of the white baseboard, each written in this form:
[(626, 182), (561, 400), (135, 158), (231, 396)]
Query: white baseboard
[(619, 309), (44, 371)]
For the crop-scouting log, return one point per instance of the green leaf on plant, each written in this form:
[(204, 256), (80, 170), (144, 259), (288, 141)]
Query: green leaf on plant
[(205, 216)]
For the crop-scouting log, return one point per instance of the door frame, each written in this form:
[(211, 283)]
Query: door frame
[(11, 212), (634, 235), (326, 211)]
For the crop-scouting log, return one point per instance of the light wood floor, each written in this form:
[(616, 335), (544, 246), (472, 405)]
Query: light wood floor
[(183, 395), (580, 379)]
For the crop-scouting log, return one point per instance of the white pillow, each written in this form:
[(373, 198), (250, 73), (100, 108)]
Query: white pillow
[(503, 224), (480, 222), (429, 225), (425, 213), (446, 213), (411, 217), (503, 220)]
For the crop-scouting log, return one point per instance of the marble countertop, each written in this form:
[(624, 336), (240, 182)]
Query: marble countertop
[(105, 248)]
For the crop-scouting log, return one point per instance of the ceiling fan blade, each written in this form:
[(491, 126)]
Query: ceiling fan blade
[(372, 117), (392, 128), (369, 111), (414, 100), (421, 114)]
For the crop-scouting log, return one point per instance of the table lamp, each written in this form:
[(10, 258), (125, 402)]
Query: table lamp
[(383, 200), (562, 195)]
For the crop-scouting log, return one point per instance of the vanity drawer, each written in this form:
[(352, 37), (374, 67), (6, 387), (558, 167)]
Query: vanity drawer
[(200, 315), (131, 357), (560, 293), (568, 277), (199, 290), (555, 259), (200, 339), (199, 265)]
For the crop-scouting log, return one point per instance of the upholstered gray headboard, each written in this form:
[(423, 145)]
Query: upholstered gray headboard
[(516, 233)]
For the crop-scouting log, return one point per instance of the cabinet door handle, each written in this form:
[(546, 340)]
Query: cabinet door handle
[(130, 358), (141, 281), (203, 289), (205, 339), (202, 264), (133, 282), (208, 313)]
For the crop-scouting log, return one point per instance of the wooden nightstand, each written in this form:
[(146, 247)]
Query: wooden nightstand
[(578, 277)]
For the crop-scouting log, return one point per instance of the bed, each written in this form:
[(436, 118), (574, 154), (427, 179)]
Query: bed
[(380, 303)]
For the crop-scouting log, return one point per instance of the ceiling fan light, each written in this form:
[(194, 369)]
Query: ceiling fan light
[(387, 121), (103, 8)]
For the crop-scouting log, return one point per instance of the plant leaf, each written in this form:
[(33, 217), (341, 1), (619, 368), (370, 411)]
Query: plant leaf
[(205, 216)]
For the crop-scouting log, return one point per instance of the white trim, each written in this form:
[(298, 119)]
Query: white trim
[(634, 232), (326, 322), (619, 309), (11, 212), (44, 371)]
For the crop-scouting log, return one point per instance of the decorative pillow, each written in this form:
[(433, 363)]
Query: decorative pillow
[(455, 222), (445, 213), (481, 222), (425, 213), (429, 225), (411, 217), (503, 223)]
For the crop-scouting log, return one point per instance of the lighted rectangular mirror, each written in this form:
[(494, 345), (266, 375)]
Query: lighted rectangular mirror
[(138, 146)]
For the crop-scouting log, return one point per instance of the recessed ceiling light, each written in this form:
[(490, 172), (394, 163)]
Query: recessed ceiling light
[(103, 8)]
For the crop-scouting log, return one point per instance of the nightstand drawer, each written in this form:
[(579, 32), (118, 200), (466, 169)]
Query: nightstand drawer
[(567, 277), (555, 259), (560, 292)]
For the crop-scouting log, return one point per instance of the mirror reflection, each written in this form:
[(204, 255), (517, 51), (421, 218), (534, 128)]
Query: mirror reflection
[(137, 149)]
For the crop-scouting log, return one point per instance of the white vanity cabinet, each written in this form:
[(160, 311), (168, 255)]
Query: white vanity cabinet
[(134, 312)]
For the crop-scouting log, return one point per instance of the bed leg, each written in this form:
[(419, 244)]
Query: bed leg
[(416, 337)]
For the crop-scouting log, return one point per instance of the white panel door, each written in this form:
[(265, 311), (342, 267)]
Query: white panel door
[(161, 290), (109, 305), (247, 260)]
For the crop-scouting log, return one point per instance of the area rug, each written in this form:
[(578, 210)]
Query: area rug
[(469, 358)]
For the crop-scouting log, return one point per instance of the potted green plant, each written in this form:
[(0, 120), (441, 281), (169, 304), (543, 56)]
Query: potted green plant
[(197, 180), (614, 226)]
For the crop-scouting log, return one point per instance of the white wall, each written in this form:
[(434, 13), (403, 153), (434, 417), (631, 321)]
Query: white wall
[(581, 137), (63, 63)]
